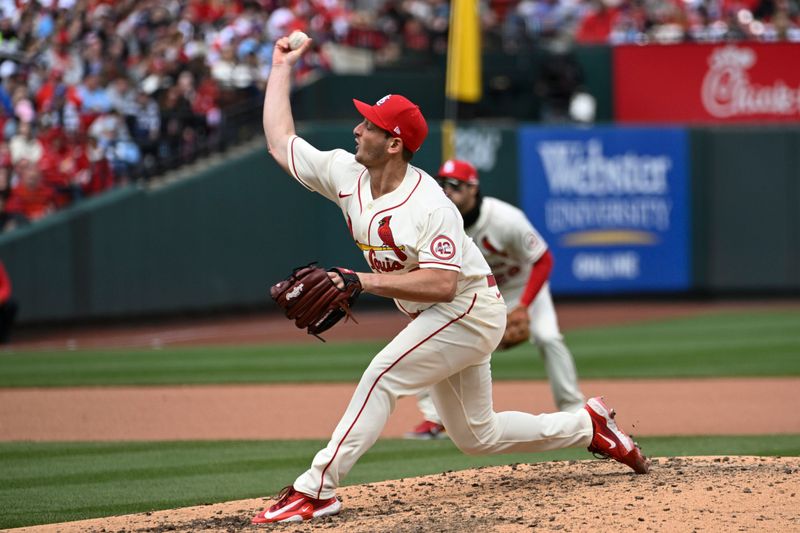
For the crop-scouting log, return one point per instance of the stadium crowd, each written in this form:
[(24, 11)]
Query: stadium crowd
[(652, 21), (99, 92)]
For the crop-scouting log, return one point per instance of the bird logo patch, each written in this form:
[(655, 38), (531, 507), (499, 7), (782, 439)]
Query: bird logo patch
[(491, 248), (385, 233)]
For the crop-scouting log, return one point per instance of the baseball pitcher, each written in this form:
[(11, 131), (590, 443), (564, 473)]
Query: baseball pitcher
[(413, 240)]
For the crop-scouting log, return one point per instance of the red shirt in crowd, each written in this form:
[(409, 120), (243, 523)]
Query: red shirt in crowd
[(33, 203), (596, 26), (62, 164)]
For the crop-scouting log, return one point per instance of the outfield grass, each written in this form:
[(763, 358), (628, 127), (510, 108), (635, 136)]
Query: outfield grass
[(723, 344), (55, 482)]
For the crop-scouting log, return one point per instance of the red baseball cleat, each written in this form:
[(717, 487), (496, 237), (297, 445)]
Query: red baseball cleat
[(426, 430), (610, 441), (293, 506)]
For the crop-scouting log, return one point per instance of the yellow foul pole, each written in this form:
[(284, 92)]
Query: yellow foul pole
[(463, 83)]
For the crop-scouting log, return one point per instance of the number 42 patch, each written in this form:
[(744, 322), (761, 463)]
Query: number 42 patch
[(443, 248)]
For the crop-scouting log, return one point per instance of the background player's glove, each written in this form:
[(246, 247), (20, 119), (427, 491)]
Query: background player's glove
[(312, 300), (517, 329)]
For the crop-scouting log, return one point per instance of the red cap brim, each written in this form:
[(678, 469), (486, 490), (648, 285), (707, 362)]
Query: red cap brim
[(368, 112)]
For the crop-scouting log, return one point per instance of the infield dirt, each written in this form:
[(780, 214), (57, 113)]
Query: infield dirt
[(679, 495)]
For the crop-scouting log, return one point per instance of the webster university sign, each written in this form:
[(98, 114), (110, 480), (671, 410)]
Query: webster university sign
[(611, 204)]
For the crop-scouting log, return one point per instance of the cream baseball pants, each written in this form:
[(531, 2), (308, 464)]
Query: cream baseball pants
[(447, 348)]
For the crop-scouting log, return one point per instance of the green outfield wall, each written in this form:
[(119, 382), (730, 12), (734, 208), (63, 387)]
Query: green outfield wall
[(746, 209), (212, 241), (509, 86), (218, 239)]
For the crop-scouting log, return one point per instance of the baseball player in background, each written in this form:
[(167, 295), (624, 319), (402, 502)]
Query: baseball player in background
[(521, 263), (413, 239)]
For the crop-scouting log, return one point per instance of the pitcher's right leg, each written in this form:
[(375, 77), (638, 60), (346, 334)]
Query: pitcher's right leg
[(465, 404)]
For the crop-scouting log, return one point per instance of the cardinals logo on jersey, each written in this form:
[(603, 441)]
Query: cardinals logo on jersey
[(489, 247), (385, 233)]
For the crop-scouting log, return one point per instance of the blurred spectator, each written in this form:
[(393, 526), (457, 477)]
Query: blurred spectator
[(93, 54), (114, 140), (144, 122), (177, 127), (784, 16), (415, 37), (224, 68), (596, 25), (50, 96), (92, 97), (122, 95), (9, 44), (25, 146), (629, 26), (31, 198), (363, 33), (23, 107), (546, 19), (63, 59), (5, 155), (8, 306), (62, 169), (100, 172), (205, 106)]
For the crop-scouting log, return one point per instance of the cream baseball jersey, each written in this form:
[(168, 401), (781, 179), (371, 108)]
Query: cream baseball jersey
[(393, 236), (508, 241)]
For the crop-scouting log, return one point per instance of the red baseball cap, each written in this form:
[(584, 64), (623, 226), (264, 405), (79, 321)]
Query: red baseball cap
[(460, 170), (399, 116)]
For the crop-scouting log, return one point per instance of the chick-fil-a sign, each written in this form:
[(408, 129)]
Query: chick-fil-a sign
[(707, 83)]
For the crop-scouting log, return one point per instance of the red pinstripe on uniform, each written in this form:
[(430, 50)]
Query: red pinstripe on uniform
[(420, 343), (294, 166), (406, 311), (360, 208), (403, 309), (439, 263)]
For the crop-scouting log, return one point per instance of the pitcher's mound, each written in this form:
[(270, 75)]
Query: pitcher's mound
[(680, 494)]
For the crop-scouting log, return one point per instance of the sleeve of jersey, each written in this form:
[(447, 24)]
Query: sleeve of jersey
[(440, 243), (525, 244), (312, 168), (539, 275)]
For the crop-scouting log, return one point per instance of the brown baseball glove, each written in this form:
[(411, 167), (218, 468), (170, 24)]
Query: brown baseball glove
[(517, 329), (312, 300)]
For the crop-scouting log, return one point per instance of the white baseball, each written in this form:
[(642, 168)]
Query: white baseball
[(296, 39)]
